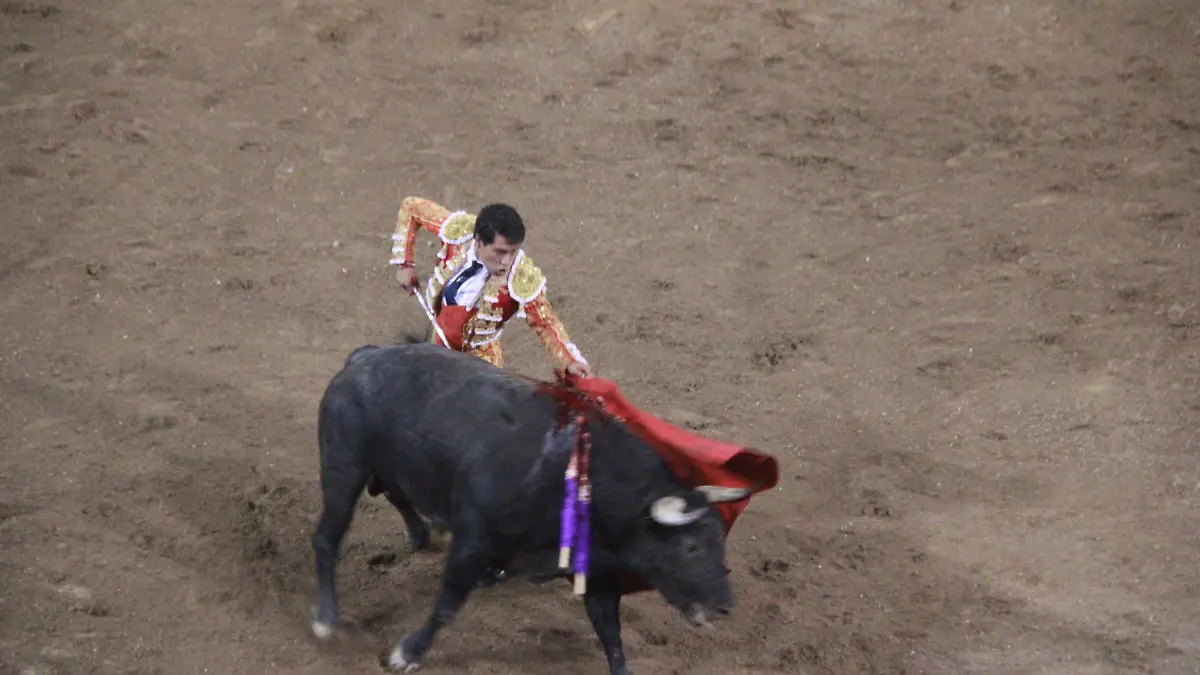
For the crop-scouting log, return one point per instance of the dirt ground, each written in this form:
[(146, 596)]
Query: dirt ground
[(939, 256)]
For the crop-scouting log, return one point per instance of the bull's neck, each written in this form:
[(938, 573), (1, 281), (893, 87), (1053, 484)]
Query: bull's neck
[(625, 472)]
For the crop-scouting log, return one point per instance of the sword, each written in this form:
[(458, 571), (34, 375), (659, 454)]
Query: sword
[(429, 314)]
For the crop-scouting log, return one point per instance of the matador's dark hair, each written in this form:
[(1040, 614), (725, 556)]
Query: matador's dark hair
[(499, 219)]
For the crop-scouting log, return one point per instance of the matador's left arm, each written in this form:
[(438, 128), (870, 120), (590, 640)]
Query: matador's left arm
[(550, 330), (528, 287)]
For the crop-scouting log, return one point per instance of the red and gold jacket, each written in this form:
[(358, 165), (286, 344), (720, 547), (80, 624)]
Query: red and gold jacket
[(477, 330)]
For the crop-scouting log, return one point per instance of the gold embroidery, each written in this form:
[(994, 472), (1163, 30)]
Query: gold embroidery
[(458, 229), (491, 352), (541, 318), (483, 322), (415, 214), (527, 280)]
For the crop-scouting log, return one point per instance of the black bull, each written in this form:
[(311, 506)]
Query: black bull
[(455, 440)]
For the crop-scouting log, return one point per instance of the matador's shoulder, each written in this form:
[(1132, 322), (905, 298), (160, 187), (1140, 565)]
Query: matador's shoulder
[(458, 228), (526, 280)]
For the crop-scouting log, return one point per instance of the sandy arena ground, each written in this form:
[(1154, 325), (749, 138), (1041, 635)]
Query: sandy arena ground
[(939, 256)]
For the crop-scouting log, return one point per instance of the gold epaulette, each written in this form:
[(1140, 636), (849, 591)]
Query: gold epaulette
[(458, 228), (526, 280)]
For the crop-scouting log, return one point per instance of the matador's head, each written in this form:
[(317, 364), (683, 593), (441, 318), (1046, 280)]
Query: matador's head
[(499, 234)]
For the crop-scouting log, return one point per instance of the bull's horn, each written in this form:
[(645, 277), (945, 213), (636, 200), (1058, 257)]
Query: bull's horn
[(720, 495), (669, 511)]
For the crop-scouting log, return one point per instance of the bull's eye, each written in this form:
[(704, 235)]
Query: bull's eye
[(691, 548)]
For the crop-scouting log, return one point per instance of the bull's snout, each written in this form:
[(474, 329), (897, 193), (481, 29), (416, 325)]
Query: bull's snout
[(698, 615)]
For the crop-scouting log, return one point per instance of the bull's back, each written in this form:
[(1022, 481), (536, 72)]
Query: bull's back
[(434, 421)]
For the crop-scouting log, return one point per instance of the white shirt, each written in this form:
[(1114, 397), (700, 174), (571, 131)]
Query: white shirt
[(469, 289)]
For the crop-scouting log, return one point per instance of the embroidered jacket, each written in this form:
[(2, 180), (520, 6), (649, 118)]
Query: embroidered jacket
[(522, 294)]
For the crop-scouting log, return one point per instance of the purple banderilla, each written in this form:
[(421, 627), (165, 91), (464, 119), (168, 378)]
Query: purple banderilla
[(582, 536), (568, 515), (575, 529)]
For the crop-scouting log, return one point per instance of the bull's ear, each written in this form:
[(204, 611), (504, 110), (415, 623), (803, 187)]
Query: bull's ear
[(672, 512), (720, 495)]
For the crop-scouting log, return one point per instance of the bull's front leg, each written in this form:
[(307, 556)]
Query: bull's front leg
[(603, 603), (467, 560)]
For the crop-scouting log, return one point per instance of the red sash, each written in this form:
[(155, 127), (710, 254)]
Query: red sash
[(452, 320)]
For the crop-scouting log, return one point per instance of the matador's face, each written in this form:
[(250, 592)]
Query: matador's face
[(497, 256)]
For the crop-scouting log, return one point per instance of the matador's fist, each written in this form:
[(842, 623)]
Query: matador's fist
[(580, 370), (407, 277)]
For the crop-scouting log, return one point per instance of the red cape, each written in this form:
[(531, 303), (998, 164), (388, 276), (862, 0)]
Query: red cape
[(696, 460)]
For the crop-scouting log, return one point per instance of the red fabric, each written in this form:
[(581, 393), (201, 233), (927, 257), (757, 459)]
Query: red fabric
[(452, 320), (508, 304), (696, 460)]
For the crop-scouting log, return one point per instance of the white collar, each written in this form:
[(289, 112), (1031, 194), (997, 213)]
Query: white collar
[(512, 271), (470, 258)]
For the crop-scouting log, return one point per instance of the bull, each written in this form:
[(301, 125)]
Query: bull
[(455, 441)]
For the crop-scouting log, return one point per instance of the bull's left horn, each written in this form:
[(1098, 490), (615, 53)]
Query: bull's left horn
[(720, 495), (670, 511)]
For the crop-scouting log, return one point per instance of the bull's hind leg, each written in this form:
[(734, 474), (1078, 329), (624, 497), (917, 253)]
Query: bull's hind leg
[(467, 560), (418, 530), (341, 486)]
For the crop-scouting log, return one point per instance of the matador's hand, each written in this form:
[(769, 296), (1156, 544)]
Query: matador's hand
[(408, 279), (580, 370)]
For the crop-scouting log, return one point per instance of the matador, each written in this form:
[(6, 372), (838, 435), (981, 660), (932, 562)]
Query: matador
[(482, 279)]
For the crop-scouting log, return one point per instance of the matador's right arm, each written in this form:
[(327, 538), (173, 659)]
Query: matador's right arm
[(415, 214)]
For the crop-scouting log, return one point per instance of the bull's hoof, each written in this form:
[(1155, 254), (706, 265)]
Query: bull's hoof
[(397, 662), (322, 630), (418, 541)]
